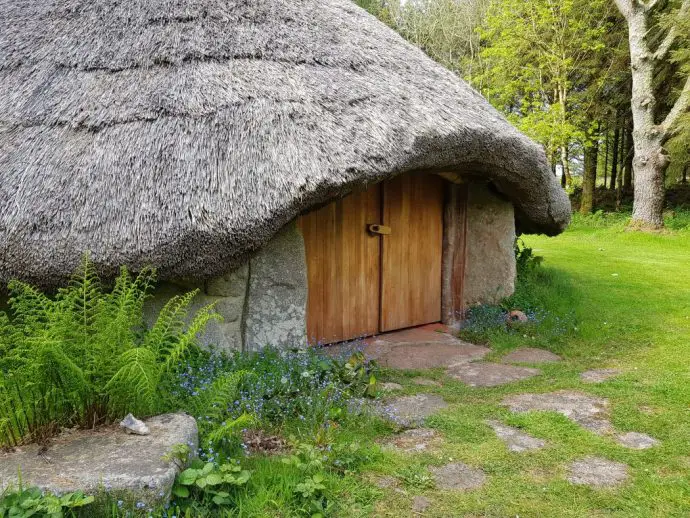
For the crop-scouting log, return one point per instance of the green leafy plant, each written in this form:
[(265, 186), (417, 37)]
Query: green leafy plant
[(34, 502), (86, 356), (311, 494), (416, 477), (208, 483), (525, 257)]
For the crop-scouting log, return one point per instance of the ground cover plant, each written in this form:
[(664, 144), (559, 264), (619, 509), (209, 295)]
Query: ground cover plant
[(600, 297)]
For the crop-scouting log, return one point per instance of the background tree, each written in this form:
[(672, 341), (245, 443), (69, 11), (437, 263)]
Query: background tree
[(537, 61), (654, 37)]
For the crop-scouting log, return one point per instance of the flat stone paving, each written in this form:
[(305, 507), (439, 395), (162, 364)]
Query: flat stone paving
[(515, 439), (599, 375), (415, 440), (426, 382), (420, 504), (530, 355), (597, 472), (389, 386), (485, 374), (457, 477), (590, 412), (410, 411), (425, 347), (105, 457)]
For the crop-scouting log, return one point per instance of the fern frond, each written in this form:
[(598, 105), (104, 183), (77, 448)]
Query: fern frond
[(170, 323), (133, 387), (172, 355), (30, 307), (229, 430)]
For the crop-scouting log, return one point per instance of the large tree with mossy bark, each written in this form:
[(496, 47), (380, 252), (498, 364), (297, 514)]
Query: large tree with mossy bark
[(655, 37)]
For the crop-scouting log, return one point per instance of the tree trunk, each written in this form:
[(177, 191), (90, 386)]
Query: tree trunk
[(651, 161), (628, 164), (614, 159), (685, 173), (590, 178), (606, 157)]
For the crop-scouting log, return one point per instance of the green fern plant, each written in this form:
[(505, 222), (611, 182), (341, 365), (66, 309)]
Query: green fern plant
[(85, 356)]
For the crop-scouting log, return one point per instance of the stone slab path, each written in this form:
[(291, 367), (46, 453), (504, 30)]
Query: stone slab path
[(516, 440), (457, 477), (410, 411), (590, 412), (599, 375), (486, 374), (87, 460), (389, 386), (415, 440), (530, 355), (597, 472)]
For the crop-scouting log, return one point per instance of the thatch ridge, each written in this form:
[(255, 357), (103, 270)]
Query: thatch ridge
[(183, 134)]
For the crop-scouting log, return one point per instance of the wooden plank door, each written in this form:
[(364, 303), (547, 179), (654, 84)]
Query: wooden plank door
[(412, 253), (343, 268)]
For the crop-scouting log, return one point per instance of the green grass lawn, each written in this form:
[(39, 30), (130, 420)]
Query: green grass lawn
[(605, 298), (602, 297)]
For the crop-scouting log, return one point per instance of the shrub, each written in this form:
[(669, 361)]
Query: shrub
[(85, 356)]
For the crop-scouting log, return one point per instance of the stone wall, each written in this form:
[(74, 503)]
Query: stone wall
[(262, 303), (277, 293), (227, 292), (490, 261)]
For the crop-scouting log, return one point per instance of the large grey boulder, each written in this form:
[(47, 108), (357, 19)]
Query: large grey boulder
[(131, 467), (277, 295)]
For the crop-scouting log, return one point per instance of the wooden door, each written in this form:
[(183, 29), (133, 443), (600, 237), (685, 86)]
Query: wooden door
[(361, 283), (412, 253), (343, 268)]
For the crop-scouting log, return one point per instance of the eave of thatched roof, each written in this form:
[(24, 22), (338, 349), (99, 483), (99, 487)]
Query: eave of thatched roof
[(182, 134)]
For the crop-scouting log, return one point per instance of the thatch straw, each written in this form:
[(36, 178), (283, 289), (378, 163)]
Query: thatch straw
[(182, 134)]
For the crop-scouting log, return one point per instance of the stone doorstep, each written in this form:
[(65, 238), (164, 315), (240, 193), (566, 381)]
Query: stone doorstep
[(127, 465)]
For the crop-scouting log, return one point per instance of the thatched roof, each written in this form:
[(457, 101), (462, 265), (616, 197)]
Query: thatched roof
[(183, 133)]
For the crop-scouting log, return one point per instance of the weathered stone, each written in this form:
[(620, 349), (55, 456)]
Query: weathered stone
[(516, 440), (418, 348), (410, 411), (389, 386), (458, 477), (415, 440), (133, 425), (232, 284), (590, 412), (636, 440), (490, 262), (386, 482), (517, 316), (420, 504), (484, 374), (426, 382), (277, 295), (530, 355), (131, 466), (599, 375), (597, 472)]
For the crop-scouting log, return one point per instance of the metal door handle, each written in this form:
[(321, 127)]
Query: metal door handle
[(379, 229)]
